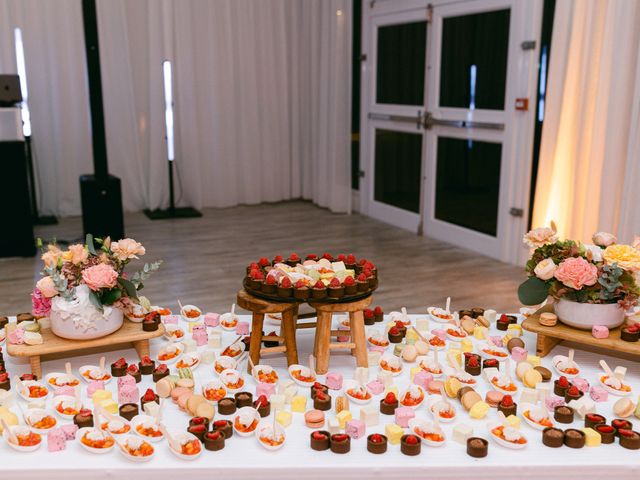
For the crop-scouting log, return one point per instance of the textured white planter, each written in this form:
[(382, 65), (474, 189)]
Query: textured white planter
[(78, 319), (585, 315)]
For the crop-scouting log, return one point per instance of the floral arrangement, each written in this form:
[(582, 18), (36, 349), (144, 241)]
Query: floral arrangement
[(97, 267), (602, 272)]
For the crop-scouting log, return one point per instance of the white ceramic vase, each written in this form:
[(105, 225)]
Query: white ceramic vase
[(79, 319), (586, 315)]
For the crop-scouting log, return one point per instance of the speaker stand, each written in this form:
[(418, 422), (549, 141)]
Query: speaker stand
[(172, 211)]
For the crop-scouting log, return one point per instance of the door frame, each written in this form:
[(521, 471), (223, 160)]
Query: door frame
[(515, 182)]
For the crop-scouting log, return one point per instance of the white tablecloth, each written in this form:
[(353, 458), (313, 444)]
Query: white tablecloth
[(244, 458)]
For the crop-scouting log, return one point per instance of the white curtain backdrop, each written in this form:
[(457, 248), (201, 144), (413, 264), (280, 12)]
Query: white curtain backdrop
[(589, 167), (261, 91)]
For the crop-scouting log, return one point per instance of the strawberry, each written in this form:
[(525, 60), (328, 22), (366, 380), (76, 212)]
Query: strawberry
[(319, 284), (473, 362), (254, 266), (85, 412), (262, 400), (257, 275), (394, 331), (198, 421), (367, 273), (121, 362), (349, 281), (411, 440), (378, 310), (278, 259), (152, 317), (573, 391), (162, 368), (328, 256), (320, 395), (351, 259), (399, 324), (285, 283), (390, 398), (300, 284), (362, 262), (146, 360), (362, 277), (490, 362), (503, 319), (340, 437), (149, 395), (4, 377), (563, 382), (618, 423), (28, 376), (507, 401), (132, 369), (334, 283), (605, 428), (368, 313), (593, 418), (319, 436), (294, 256), (219, 424), (369, 265), (633, 329), (312, 256), (376, 438), (198, 428), (271, 280), (624, 432), (318, 386), (264, 261), (341, 257), (213, 435)]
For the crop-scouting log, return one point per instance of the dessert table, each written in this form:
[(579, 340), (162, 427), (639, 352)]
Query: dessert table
[(245, 458)]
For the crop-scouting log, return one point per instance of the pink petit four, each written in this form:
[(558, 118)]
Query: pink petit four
[(553, 401), (600, 331), (170, 319), (441, 334), (422, 378), (333, 380), (69, 431), (343, 338), (212, 319), (64, 390), (56, 440), (581, 384), (355, 428), (496, 340), (403, 415), (126, 380), (16, 337), (376, 348), (598, 394), (266, 389), (94, 386), (242, 328), (519, 354), (376, 387), (128, 394), (200, 336)]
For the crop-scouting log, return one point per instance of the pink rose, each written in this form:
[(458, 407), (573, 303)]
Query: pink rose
[(40, 305), (604, 239), (126, 249), (576, 272), (100, 276), (46, 287)]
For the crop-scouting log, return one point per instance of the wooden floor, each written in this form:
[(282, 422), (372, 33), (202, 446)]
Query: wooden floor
[(205, 258)]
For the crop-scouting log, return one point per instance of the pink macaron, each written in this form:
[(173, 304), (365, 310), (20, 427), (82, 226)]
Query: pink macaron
[(314, 419)]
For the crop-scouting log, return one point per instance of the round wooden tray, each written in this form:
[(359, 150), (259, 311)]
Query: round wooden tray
[(275, 298)]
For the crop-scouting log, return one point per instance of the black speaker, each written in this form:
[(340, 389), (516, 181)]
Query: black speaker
[(102, 206), (15, 206)]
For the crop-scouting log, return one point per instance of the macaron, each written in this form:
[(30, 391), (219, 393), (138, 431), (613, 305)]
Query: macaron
[(623, 408), (177, 392), (451, 387), (522, 368), (531, 378), (493, 398), (548, 319), (314, 418)]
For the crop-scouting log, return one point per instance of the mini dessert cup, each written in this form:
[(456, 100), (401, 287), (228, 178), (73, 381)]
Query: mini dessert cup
[(224, 426), (477, 447), (243, 399), (340, 443), (227, 406), (630, 334), (264, 409), (563, 414), (592, 419), (560, 389), (302, 293), (629, 439), (377, 443), (128, 410), (410, 444), (388, 408), (335, 292), (574, 438), (285, 292), (553, 437), (119, 369), (159, 373), (322, 401), (147, 368), (198, 431), (318, 293), (214, 441), (320, 440), (621, 424), (607, 432)]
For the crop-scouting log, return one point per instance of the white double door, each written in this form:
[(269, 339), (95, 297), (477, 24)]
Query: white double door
[(445, 151)]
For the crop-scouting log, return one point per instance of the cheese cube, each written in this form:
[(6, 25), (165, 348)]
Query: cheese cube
[(277, 402), (480, 332), (543, 390), (334, 426), (619, 372), (373, 358), (462, 432), (370, 415), (411, 337), (109, 405), (466, 345), (215, 339), (361, 375), (514, 421), (592, 438), (343, 417), (290, 392), (422, 324), (479, 410), (515, 330), (283, 417), (100, 395), (534, 360), (490, 315), (528, 395), (298, 403), (386, 378), (393, 433)]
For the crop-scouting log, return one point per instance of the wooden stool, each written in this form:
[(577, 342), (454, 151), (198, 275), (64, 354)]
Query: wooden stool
[(358, 344), (258, 307)]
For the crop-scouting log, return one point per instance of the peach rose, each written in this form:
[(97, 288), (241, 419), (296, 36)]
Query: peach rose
[(538, 237), (126, 249), (100, 276), (604, 239), (627, 257), (545, 269), (51, 256), (576, 272), (46, 287), (78, 253)]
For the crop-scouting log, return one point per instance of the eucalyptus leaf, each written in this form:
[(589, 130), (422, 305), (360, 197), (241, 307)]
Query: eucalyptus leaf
[(533, 291), (129, 287), (90, 246), (95, 301)]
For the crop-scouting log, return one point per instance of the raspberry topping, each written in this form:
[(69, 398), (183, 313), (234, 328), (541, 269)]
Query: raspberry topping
[(277, 259), (367, 273), (334, 283), (328, 256), (4, 377), (377, 310), (341, 257), (28, 376), (362, 277), (264, 261), (351, 259), (198, 428), (362, 262), (390, 398), (254, 266), (503, 319), (312, 256), (563, 382), (149, 395), (618, 423), (320, 395), (262, 400), (294, 256), (319, 284), (300, 284), (394, 331), (318, 386), (85, 412), (368, 313), (339, 437), (349, 281), (285, 283), (257, 275), (605, 428), (399, 324), (219, 424), (198, 420), (473, 362), (573, 391), (319, 436), (376, 438), (593, 418), (271, 280), (411, 440), (213, 435), (507, 401), (491, 361), (623, 432)]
